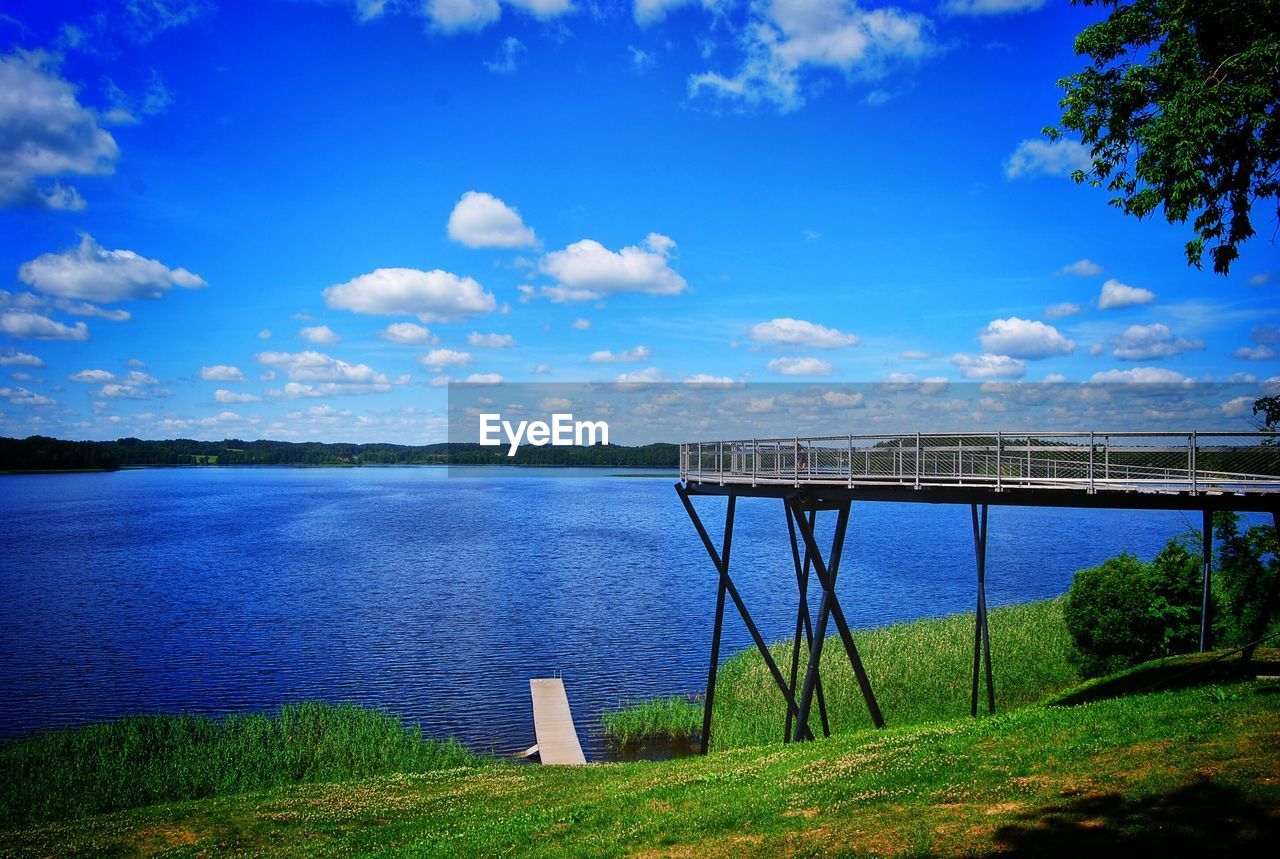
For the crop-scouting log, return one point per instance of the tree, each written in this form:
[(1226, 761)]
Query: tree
[(1249, 578), (1179, 106)]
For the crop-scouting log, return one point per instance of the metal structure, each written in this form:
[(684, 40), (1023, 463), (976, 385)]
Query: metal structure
[(1205, 471)]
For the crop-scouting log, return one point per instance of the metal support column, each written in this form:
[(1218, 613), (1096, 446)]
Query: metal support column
[(981, 635), (804, 624), (830, 607), (1206, 545), (726, 586)]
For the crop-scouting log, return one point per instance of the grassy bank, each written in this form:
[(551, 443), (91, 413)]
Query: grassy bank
[(1187, 772), (920, 672), (139, 761)]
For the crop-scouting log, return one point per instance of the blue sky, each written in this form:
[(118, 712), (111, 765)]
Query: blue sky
[(313, 215)]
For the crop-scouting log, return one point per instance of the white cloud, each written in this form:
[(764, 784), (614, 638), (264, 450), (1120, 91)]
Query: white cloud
[(580, 324), (1144, 342), (1116, 294), (798, 332), (490, 341), (432, 296), (1140, 375), (648, 12), (93, 377), (483, 379), (320, 335), (632, 356), (84, 308), (840, 400), (264, 334), (407, 334), (14, 358), (314, 374), (916, 355), (705, 380), (800, 367), (507, 59), (587, 270), (990, 7), (1062, 310), (1238, 407), (33, 326), (542, 369), (449, 16), (23, 397), (784, 39), (989, 366), (90, 272), (649, 375), (134, 385), (1059, 158), (221, 373), (1024, 338), (1254, 353), (227, 397), (439, 359), (1081, 268), (481, 220), (45, 133)]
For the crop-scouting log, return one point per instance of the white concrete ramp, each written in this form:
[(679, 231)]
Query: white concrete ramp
[(553, 723)]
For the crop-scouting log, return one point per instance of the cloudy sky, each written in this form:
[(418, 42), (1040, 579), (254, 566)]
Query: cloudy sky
[(301, 220)]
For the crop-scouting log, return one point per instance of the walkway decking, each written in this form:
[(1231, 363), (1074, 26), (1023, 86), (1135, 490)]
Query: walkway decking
[(553, 723)]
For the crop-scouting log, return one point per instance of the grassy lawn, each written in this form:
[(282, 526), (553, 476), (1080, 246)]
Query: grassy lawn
[(920, 672), (1187, 771)]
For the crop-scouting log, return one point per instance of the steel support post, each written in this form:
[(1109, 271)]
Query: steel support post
[(830, 607), (727, 586), (804, 624), (981, 635), (1206, 546)]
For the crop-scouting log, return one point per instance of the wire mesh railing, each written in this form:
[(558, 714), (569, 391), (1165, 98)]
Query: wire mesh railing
[(1120, 461)]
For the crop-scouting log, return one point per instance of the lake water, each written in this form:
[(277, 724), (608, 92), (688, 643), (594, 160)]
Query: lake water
[(230, 589)]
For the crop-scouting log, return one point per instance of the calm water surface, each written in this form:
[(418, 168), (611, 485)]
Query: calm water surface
[(437, 597)]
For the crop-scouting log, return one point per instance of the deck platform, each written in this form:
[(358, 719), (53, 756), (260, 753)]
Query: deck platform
[(553, 723)]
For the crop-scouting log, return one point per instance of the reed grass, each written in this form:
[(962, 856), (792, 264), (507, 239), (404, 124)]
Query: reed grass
[(144, 760), (920, 672)]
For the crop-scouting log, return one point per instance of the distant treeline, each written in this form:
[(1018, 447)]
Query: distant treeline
[(40, 453)]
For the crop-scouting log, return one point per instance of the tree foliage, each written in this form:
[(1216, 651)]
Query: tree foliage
[(1248, 576), (1178, 106), (1125, 611)]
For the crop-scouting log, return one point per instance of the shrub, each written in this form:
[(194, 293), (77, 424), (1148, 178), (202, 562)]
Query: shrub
[(1125, 611)]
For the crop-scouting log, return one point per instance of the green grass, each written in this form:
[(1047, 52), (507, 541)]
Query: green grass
[(148, 759), (920, 672), (1186, 772)]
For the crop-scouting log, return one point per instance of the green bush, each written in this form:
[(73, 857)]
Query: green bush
[(1248, 577), (1125, 611)]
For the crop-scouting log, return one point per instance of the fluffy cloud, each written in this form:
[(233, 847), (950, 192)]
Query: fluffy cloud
[(23, 397), (800, 367), (1024, 338), (481, 220), (45, 133), (588, 271), (228, 397), (432, 296), (647, 376), (221, 373), (1116, 295), (320, 335), (439, 359), (449, 16), (507, 59), (706, 380), (483, 379), (134, 385), (14, 358), (990, 7), (90, 272), (32, 326), (1062, 310), (648, 12), (580, 324), (491, 341), (406, 333), (1254, 353), (1081, 268), (1140, 375), (1059, 158), (988, 366), (1144, 342), (314, 374), (797, 332), (783, 39), (633, 356)]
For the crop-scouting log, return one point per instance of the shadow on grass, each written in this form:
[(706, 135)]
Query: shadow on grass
[(1179, 674), (1202, 819)]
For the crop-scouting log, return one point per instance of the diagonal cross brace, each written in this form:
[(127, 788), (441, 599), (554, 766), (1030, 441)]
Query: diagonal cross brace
[(830, 606), (981, 635), (727, 586), (804, 624)]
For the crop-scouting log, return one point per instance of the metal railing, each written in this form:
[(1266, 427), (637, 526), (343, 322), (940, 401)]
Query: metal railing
[(1191, 462)]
